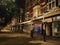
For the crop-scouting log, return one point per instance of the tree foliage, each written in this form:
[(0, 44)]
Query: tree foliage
[(8, 9)]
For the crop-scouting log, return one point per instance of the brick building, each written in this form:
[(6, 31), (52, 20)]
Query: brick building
[(44, 10)]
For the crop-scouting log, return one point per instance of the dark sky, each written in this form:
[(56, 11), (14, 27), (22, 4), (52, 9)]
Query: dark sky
[(20, 3)]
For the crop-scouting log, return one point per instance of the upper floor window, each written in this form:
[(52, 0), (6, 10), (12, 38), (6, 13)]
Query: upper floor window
[(49, 6), (46, 1), (31, 2), (56, 2), (49, 0), (53, 4)]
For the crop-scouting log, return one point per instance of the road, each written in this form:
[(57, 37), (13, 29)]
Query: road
[(24, 39)]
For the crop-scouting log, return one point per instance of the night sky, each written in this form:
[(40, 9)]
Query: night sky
[(20, 3)]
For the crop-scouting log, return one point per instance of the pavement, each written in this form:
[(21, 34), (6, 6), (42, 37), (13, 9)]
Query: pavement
[(25, 39)]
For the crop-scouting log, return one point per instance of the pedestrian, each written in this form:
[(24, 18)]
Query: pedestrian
[(44, 35), (32, 31)]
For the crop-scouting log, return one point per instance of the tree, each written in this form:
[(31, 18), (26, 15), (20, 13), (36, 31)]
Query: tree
[(8, 10)]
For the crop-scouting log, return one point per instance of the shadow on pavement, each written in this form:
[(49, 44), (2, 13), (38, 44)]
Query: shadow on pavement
[(16, 41)]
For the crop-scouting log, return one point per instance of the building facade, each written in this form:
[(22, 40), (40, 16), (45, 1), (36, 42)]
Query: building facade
[(33, 10), (46, 11), (53, 11)]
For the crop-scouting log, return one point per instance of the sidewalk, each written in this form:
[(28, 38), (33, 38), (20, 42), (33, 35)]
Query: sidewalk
[(29, 40), (44, 43), (49, 41)]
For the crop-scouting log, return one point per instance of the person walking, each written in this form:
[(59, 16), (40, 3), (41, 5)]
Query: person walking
[(44, 32), (32, 31)]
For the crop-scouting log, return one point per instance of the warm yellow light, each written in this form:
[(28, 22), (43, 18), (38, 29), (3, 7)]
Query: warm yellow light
[(37, 11)]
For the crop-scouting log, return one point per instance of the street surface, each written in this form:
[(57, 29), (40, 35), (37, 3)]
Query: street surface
[(24, 39)]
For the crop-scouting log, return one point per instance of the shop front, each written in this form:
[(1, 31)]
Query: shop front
[(48, 26), (27, 27), (38, 25), (56, 26)]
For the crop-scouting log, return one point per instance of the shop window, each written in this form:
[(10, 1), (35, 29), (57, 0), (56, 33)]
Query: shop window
[(57, 24)]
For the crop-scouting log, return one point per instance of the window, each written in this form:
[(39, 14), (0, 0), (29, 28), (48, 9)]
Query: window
[(49, 6), (52, 4), (59, 3), (31, 2), (49, 0), (46, 1), (56, 2)]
